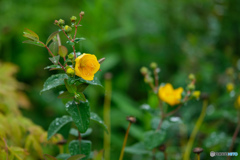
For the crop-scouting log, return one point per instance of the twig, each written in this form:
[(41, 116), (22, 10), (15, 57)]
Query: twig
[(125, 141)]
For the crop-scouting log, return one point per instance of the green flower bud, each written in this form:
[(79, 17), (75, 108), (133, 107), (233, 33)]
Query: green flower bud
[(61, 22), (71, 56), (191, 86), (191, 77), (70, 72), (153, 65), (56, 22), (73, 19), (144, 70), (67, 29)]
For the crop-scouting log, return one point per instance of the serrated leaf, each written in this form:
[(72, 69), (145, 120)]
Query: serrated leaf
[(34, 43), (80, 96), (80, 113), (49, 157), (79, 39), (96, 118), (77, 157), (80, 147), (70, 87), (53, 82), (55, 59), (52, 36), (52, 67), (66, 94), (153, 139), (54, 48), (62, 51), (81, 87), (57, 124)]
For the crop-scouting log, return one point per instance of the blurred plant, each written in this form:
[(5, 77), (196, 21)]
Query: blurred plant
[(153, 144), (20, 138), (79, 73)]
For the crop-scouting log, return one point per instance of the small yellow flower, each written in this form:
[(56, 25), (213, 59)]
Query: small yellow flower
[(169, 95), (196, 94), (86, 66), (230, 87)]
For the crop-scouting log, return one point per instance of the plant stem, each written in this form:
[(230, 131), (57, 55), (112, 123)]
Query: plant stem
[(106, 115), (79, 136), (74, 51), (234, 136), (198, 155), (6, 148), (77, 26), (156, 78), (195, 131), (125, 141), (174, 111)]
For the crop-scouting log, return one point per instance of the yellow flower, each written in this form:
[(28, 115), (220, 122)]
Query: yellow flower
[(169, 95), (196, 94), (86, 66), (230, 87)]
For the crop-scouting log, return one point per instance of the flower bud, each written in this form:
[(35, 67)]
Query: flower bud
[(73, 19), (198, 150), (230, 87), (71, 56), (144, 70), (191, 87), (153, 65), (67, 29), (56, 22), (61, 22), (131, 119), (191, 77), (82, 13), (70, 72), (196, 94)]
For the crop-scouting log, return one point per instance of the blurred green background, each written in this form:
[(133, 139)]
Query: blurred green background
[(188, 36)]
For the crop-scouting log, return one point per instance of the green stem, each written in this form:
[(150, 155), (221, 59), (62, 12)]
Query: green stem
[(198, 155), (125, 141), (106, 115), (195, 131)]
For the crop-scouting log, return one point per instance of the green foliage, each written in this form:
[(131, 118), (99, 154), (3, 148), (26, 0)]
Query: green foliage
[(80, 147)]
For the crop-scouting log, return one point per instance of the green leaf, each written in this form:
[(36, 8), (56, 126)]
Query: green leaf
[(79, 39), (138, 148), (62, 51), (153, 139), (80, 147), (63, 156), (70, 87), (53, 82), (54, 48), (28, 31), (66, 94), (96, 118), (52, 36), (70, 43), (95, 81), (57, 124), (34, 43), (80, 96), (81, 87), (49, 157), (53, 67), (55, 59), (74, 132), (80, 113), (77, 157)]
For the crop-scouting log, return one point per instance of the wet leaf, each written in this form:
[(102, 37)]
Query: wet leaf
[(138, 148), (70, 43), (80, 113), (96, 118), (79, 39), (153, 139), (80, 147), (52, 36), (70, 87), (53, 82), (74, 132), (63, 156), (81, 87), (66, 94), (34, 43), (80, 96), (55, 59), (53, 67), (62, 51), (54, 48), (57, 124), (95, 81)]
